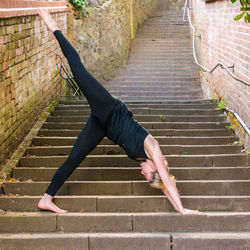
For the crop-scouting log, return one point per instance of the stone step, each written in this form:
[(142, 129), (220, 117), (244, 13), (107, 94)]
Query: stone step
[(124, 222), (117, 88), (157, 68), (170, 58), (144, 98), (168, 79), (160, 66), (132, 173), (159, 78), (147, 70), (149, 106), (158, 94), (164, 72), (115, 149), (147, 125), (148, 50), (154, 132), (160, 44), (137, 50), (158, 84), (158, 98), (173, 109), (229, 160), (161, 69), (164, 36), (208, 104), (142, 111), (219, 140), (121, 204), (211, 241), (121, 188), (85, 241), (77, 101), (146, 118)]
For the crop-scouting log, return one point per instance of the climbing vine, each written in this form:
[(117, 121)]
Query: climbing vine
[(245, 8), (81, 6)]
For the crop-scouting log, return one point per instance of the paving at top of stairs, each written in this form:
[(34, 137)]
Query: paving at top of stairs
[(110, 204)]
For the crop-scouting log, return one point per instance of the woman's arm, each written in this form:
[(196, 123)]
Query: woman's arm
[(164, 190), (154, 152)]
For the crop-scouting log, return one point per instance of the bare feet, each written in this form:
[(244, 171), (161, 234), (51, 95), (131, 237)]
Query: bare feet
[(189, 211), (47, 18), (46, 204)]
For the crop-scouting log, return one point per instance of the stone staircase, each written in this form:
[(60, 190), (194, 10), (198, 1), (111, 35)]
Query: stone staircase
[(110, 204)]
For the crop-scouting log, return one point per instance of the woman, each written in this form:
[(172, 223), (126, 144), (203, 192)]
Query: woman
[(109, 117)]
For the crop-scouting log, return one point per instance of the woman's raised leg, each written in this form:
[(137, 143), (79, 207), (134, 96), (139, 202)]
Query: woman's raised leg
[(100, 100)]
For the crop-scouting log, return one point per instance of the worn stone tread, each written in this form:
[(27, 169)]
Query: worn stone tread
[(154, 203), (122, 222)]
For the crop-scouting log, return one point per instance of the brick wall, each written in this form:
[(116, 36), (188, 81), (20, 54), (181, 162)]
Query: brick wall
[(224, 40), (28, 74)]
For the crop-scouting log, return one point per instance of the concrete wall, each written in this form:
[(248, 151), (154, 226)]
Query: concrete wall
[(224, 40)]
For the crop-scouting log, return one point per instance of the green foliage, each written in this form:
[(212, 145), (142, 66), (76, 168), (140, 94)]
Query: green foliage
[(221, 105), (187, 153), (81, 6), (230, 127), (163, 118), (245, 8)]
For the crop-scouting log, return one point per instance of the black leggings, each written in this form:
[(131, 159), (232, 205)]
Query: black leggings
[(101, 103)]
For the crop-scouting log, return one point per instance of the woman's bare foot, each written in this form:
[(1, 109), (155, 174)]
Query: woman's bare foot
[(46, 204), (47, 18)]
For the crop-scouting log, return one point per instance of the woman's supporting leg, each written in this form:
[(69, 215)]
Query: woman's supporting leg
[(89, 137)]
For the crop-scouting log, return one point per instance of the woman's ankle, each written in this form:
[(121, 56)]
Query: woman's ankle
[(47, 197)]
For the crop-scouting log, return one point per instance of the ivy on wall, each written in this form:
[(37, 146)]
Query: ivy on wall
[(245, 8), (80, 6)]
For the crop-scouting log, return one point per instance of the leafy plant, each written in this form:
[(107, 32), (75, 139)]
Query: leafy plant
[(230, 127), (80, 6), (221, 105), (163, 118), (245, 8)]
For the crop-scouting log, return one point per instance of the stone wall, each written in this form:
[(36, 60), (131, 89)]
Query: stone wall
[(224, 40), (103, 37)]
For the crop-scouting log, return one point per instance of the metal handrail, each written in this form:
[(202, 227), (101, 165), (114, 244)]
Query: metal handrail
[(218, 64)]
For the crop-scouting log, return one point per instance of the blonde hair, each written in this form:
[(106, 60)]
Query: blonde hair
[(157, 181)]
